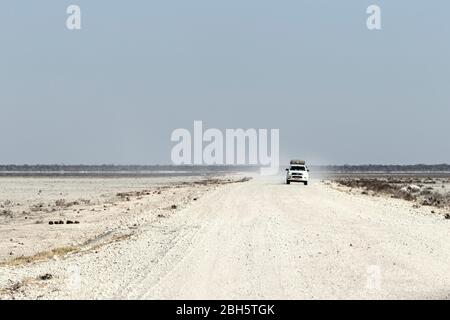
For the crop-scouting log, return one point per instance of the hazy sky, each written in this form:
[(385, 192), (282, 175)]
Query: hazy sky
[(114, 91)]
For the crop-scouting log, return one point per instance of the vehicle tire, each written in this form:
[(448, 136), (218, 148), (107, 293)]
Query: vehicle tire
[(306, 183), (288, 182)]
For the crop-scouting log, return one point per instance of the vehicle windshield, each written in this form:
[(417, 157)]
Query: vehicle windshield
[(298, 168)]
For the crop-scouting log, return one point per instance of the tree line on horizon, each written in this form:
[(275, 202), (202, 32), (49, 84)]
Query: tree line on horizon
[(200, 168)]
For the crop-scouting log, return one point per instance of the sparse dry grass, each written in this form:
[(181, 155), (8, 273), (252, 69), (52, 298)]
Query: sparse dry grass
[(41, 256), (62, 251), (395, 188)]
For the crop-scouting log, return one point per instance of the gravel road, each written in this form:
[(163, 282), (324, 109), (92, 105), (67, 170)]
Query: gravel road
[(260, 239)]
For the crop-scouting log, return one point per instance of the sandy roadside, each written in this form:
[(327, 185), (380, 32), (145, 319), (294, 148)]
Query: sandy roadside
[(259, 239), (41, 218)]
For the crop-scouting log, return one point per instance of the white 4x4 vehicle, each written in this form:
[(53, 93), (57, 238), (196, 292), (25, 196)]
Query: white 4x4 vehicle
[(297, 172)]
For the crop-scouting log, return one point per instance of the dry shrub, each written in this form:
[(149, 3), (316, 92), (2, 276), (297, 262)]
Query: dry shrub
[(7, 213), (62, 203), (37, 207), (376, 185)]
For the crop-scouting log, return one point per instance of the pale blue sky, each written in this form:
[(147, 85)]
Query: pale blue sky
[(114, 91)]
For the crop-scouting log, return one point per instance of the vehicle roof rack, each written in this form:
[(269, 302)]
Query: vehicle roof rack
[(301, 162)]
